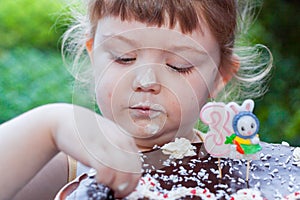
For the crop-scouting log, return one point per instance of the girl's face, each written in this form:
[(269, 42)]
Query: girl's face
[(153, 81)]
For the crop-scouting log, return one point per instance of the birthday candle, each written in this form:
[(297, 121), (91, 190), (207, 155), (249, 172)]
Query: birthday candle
[(233, 130)]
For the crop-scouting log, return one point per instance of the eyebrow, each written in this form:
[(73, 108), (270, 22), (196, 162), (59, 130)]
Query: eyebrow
[(121, 38), (187, 49), (174, 48)]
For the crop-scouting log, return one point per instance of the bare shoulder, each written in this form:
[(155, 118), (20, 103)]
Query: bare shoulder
[(48, 181)]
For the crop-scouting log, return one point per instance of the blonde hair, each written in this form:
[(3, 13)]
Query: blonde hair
[(228, 20)]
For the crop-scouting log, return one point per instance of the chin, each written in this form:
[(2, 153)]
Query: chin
[(151, 141)]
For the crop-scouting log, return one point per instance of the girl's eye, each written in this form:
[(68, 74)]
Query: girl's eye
[(183, 70), (124, 60)]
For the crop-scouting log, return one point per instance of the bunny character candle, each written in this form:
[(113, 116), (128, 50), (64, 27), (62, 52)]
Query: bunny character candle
[(245, 137), (233, 130)]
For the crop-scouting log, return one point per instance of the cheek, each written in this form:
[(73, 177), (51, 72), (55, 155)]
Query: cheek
[(201, 86), (189, 94), (104, 90), (103, 96), (112, 91)]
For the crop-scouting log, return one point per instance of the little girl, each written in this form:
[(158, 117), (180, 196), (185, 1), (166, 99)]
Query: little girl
[(154, 64)]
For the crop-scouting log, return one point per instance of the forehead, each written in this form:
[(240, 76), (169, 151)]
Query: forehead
[(140, 35)]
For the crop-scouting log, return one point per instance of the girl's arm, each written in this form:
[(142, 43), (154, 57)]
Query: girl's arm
[(29, 141), (48, 181)]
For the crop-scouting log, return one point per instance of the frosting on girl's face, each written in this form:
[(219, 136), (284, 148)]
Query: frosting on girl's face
[(153, 81)]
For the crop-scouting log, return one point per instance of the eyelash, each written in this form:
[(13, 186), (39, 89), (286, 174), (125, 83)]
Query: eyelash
[(185, 70), (126, 61)]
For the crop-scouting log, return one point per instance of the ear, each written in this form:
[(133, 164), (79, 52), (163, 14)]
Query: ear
[(89, 45), (227, 70), (234, 107), (248, 105)]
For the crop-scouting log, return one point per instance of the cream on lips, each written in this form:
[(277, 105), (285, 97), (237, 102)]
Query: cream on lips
[(153, 114), (147, 109)]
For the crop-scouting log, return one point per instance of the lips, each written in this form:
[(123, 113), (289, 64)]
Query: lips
[(147, 109)]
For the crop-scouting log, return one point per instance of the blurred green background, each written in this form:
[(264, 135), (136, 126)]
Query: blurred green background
[(32, 72)]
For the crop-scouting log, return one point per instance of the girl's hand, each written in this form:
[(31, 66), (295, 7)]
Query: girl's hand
[(101, 144), (30, 140)]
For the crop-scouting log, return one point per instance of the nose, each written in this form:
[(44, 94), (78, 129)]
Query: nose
[(146, 81)]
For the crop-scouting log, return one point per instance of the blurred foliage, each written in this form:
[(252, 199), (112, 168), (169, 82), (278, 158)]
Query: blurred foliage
[(31, 69), (30, 77), (278, 27), (30, 23), (32, 72)]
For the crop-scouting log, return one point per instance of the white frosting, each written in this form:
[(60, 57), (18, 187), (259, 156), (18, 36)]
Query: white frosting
[(152, 128), (150, 188), (247, 194), (146, 79), (285, 143), (296, 156), (179, 149), (293, 196)]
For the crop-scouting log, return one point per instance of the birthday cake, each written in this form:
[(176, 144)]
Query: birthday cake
[(192, 173)]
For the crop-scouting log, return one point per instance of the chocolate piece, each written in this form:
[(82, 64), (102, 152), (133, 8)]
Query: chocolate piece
[(97, 191), (89, 189)]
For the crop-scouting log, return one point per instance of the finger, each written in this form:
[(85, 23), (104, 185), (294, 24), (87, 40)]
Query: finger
[(125, 183), (105, 176), (121, 182)]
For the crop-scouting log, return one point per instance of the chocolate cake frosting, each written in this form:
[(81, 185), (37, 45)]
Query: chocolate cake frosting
[(275, 175)]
